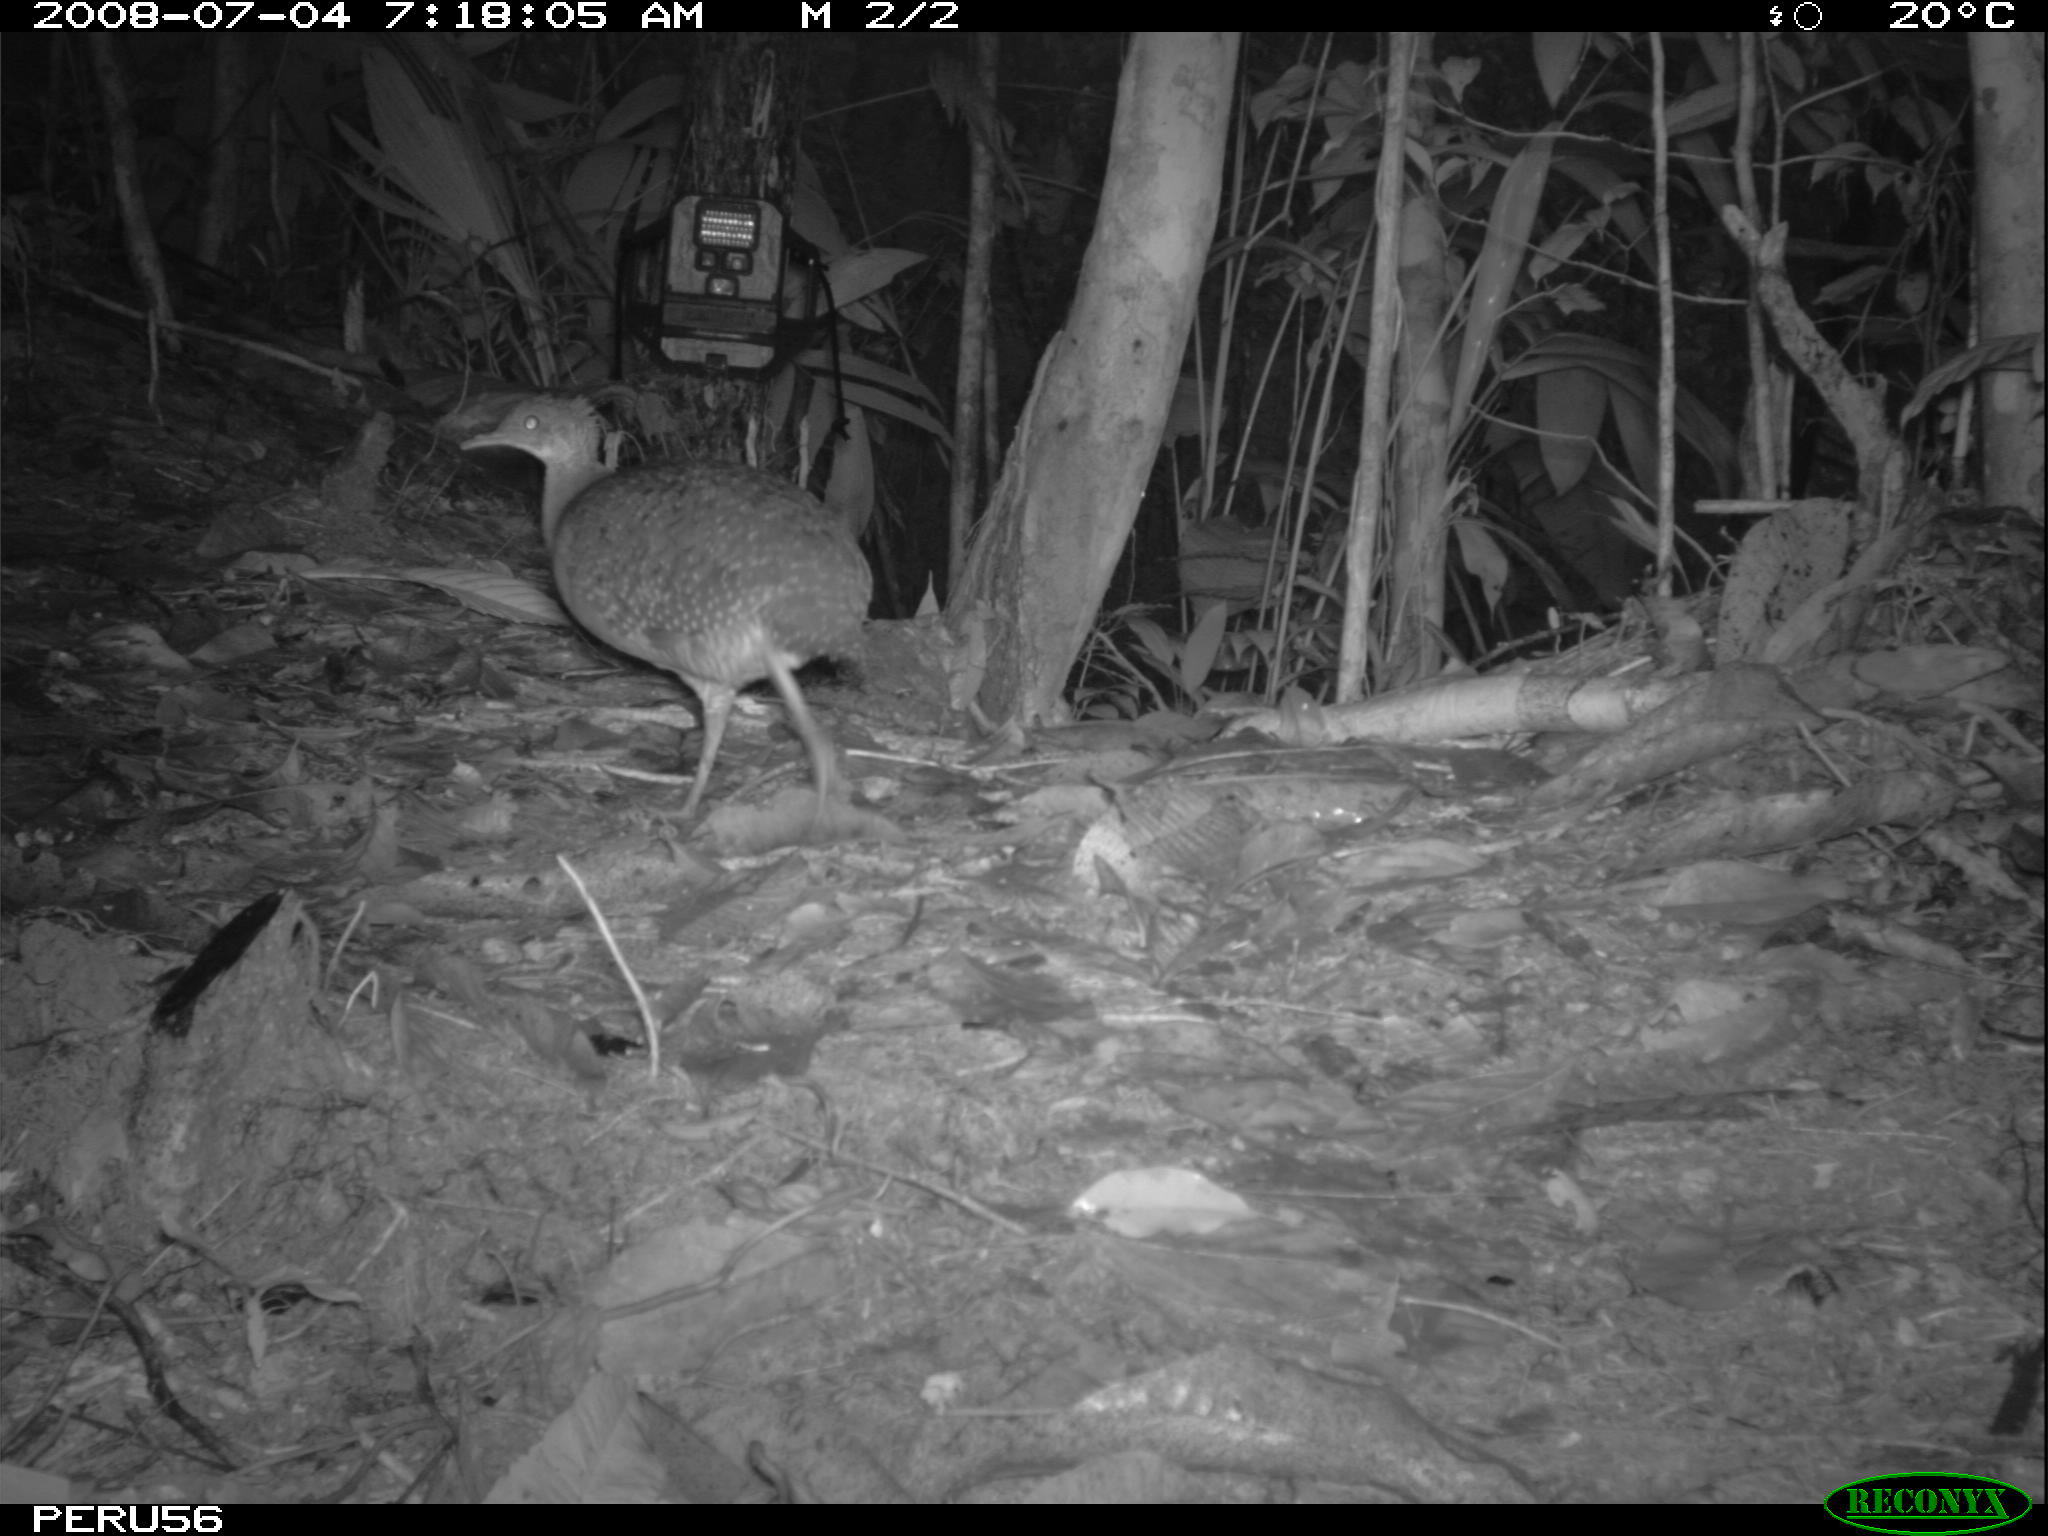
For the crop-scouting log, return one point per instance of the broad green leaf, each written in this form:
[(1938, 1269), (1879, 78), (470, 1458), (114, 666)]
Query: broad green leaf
[(1557, 60), (1500, 262), (1483, 557), (1570, 405), (1199, 654)]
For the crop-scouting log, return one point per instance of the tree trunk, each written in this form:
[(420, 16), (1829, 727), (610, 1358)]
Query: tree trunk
[(2006, 70), (975, 330), (745, 94), (144, 258), (1043, 555), (221, 214)]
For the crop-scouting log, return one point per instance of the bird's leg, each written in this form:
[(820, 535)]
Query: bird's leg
[(815, 740), (717, 701)]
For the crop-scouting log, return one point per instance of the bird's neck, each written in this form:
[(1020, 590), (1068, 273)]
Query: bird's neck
[(562, 484)]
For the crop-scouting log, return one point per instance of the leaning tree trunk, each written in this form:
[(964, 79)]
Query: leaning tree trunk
[(1043, 554)]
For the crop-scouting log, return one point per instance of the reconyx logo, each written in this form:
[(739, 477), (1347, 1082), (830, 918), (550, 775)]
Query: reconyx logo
[(1928, 1503)]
